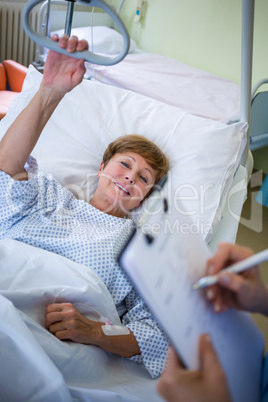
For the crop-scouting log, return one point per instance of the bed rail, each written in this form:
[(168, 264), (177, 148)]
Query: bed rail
[(246, 71)]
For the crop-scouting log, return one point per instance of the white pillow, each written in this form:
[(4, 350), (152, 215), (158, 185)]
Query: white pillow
[(105, 40), (204, 154)]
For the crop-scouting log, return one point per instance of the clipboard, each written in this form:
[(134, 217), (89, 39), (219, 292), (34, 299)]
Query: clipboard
[(163, 258)]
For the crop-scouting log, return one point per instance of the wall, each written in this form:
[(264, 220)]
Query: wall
[(205, 34)]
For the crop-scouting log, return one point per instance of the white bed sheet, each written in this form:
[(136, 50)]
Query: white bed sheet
[(173, 82), (162, 78), (46, 369)]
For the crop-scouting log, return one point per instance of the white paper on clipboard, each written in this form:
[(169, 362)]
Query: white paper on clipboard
[(163, 271)]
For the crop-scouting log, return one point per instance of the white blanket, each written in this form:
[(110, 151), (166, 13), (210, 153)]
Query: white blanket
[(173, 82), (35, 365)]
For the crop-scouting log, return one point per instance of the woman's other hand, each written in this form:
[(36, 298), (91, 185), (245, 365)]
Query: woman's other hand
[(65, 322)]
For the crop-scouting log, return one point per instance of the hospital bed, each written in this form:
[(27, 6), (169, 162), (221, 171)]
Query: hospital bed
[(210, 183), (156, 76), (165, 79)]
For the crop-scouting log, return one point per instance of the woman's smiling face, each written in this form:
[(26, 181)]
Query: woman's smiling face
[(123, 183)]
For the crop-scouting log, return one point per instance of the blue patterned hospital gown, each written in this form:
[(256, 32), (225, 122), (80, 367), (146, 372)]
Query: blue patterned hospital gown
[(44, 214)]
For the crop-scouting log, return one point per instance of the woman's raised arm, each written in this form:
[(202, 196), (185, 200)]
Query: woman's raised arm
[(61, 75)]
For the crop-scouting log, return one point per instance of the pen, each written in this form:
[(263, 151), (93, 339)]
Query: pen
[(235, 268)]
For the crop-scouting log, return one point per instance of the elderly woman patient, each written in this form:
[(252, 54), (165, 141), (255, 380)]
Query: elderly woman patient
[(36, 209)]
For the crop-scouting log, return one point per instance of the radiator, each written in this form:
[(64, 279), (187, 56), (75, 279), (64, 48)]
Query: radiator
[(14, 43)]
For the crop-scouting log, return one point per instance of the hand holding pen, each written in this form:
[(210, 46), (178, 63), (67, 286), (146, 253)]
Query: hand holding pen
[(243, 291)]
